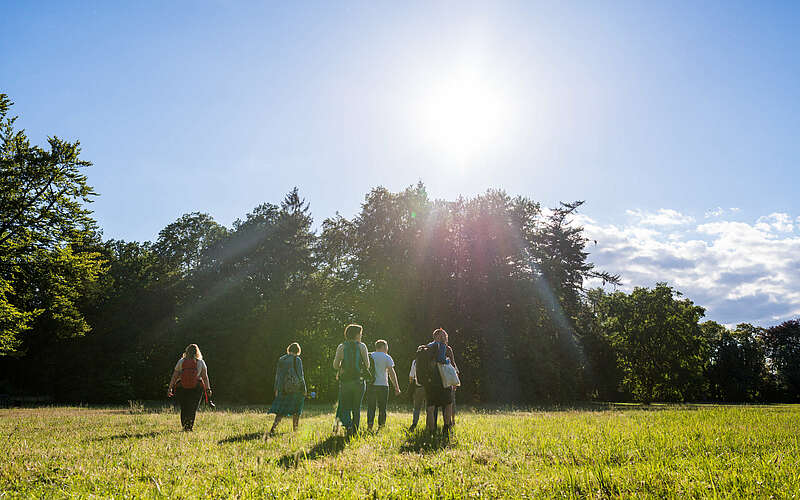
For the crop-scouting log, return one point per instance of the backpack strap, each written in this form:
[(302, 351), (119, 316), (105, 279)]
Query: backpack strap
[(356, 368)]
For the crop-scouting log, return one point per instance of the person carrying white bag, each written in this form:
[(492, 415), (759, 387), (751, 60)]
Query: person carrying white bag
[(443, 395)]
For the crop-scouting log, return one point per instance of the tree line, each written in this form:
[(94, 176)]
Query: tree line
[(86, 319)]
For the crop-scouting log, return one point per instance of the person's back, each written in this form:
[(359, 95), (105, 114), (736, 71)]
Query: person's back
[(192, 373), (351, 356), (350, 368), (378, 391), (290, 388), (382, 362), (290, 370), (424, 364)]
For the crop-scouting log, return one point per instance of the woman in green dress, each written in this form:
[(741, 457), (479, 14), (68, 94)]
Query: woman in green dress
[(290, 388)]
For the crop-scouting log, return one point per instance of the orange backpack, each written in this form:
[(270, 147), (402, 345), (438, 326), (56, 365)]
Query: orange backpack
[(189, 373)]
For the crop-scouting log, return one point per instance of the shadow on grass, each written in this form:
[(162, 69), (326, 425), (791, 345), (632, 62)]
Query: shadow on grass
[(423, 441), (590, 406), (130, 435), (241, 438), (329, 447)]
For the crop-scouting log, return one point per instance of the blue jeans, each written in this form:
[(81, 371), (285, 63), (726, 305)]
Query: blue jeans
[(350, 395), (377, 395)]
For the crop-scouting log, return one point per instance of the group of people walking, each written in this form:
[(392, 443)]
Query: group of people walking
[(433, 379)]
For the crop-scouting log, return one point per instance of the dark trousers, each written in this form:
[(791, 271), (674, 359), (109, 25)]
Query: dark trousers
[(377, 395), (419, 401), (351, 394), (189, 400)]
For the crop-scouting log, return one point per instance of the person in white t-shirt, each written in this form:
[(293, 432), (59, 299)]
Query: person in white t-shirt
[(378, 391)]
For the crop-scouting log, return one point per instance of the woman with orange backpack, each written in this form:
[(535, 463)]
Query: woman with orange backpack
[(192, 373)]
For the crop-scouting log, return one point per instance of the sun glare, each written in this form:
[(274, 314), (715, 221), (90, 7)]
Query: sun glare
[(464, 116)]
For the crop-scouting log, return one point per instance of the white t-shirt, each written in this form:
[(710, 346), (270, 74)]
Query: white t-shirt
[(201, 367), (413, 372), (382, 364)]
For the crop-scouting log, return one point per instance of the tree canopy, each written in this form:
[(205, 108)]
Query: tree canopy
[(529, 316), (47, 266)]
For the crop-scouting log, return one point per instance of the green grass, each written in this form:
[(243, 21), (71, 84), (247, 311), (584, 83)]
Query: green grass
[(678, 452)]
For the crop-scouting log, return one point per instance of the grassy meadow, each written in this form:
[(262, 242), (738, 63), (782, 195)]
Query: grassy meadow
[(615, 451)]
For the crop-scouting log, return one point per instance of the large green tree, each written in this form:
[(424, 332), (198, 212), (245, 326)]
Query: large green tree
[(783, 348), (660, 347), (48, 263), (737, 370)]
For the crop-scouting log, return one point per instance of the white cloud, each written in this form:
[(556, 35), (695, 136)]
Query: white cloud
[(719, 212), (780, 222), (741, 272), (664, 217)]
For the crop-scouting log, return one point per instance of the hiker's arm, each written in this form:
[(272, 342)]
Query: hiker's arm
[(302, 375), (174, 380), (452, 358), (204, 378), (337, 360), (393, 378), (364, 355), (176, 374)]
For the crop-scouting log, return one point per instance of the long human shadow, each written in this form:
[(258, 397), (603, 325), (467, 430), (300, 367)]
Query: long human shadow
[(423, 441), (329, 447), (241, 438), (130, 435)]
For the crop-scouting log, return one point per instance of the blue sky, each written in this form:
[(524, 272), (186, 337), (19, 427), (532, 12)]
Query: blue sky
[(640, 108)]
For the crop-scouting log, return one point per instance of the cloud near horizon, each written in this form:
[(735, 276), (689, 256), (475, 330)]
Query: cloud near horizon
[(739, 271)]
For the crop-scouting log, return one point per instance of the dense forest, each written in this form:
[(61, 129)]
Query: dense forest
[(84, 319)]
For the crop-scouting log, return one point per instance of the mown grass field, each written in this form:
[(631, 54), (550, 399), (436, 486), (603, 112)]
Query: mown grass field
[(678, 452)]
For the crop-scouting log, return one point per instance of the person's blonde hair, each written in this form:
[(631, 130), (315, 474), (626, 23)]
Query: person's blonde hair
[(192, 351), (294, 348), (441, 333)]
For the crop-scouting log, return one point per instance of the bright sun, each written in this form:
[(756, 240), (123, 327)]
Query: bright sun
[(464, 116)]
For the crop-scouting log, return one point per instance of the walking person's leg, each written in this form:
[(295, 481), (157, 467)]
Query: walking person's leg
[(346, 402), (447, 411), (382, 395), (278, 418), (453, 408), (419, 399), (180, 396), (193, 403), (372, 392), (338, 418), (299, 399), (430, 418), (357, 409), (445, 421)]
